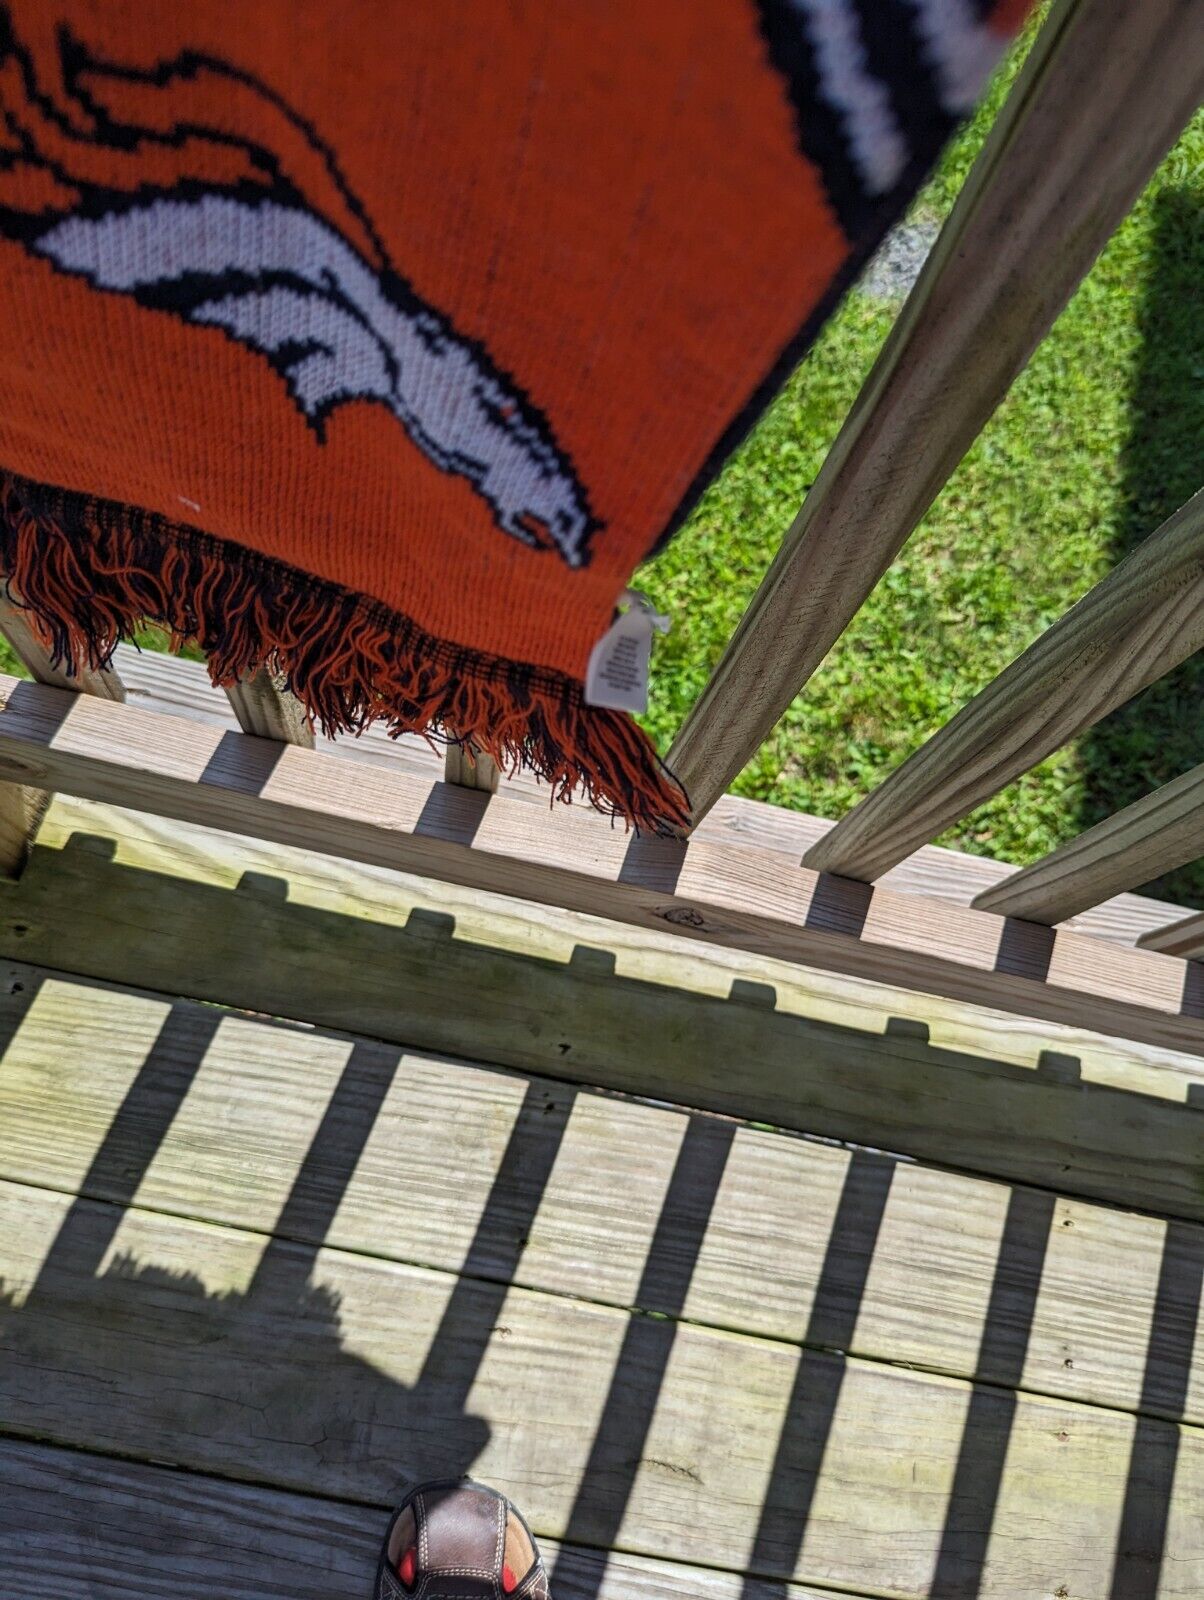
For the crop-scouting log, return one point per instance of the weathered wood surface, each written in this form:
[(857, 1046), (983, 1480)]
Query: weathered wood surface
[(565, 995), (931, 871), (377, 905), (217, 1117), (337, 1374), (22, 809), (172, 684), (1183, 938), (129, 1531), (36, 659), (731, 895), (1157, 833), (21, 812), (263, 707), (480, 772), (1138, 622), (161, 682), (1104, 92)]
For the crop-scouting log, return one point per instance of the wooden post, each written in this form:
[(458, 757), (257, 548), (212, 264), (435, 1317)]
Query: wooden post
[(1103, 94), (21, 808), (269, 711), (1157, 834), (21, 812), (1136, 624), (479, 773)]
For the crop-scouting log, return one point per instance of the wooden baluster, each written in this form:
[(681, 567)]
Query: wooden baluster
[(1156, 834), (1102, 96), (459, 767), (1184, 938), (22, 808), (265, 708), (1134, 626)]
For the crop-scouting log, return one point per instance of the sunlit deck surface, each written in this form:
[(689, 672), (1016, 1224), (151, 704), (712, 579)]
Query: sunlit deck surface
[(318, 1180)]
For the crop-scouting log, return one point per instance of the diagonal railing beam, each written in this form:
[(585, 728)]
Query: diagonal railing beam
[(1160, 832), (1184, 938), (1105, 90), (1135, 625)]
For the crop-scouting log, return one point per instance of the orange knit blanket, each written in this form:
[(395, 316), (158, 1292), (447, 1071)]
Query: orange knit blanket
[(379, 342)]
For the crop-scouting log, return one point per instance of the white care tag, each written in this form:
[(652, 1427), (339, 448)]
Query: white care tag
[(617, 676)]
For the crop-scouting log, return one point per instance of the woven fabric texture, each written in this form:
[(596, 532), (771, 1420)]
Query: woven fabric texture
[(379, 342)]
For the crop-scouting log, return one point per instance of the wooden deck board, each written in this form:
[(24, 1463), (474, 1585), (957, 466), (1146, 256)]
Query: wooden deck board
[(245, 1123), (341, 1375), (169, 683), (128, 1531), (734, 896), (383, 900), (323, 1263), (573, 997)]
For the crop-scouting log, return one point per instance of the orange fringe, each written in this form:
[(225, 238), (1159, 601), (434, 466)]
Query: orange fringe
[(90, 571)]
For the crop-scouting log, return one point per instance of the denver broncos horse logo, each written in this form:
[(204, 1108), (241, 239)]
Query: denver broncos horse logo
[(125, 181)]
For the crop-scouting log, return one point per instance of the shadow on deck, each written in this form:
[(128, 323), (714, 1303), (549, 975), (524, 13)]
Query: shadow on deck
[(428, 1428), (1156, 736), (583, 1022)]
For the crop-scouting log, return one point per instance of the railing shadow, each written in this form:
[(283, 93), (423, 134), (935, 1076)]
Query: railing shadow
[(282, 1309), (1157, 735), (819, 1376), (618, 1444), (581, 1021), (987, 1431), (275, 1352), (1141, 1540), (275, 1357)]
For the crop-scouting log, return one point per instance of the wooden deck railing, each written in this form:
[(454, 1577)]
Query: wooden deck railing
[(1134, 626), (1157, 834), (1106, 89)]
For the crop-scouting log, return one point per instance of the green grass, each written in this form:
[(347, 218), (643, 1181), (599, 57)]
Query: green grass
[(1101, 437)]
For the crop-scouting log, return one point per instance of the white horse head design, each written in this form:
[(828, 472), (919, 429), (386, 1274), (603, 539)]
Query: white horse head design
[(318, 298)]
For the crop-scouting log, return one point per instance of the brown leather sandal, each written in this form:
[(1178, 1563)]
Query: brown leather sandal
[(458, 1540)]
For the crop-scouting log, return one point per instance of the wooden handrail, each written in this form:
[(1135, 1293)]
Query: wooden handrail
[(1104, 92), (732, 895), (263, 707), (1162, 831), (1136, 624)]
